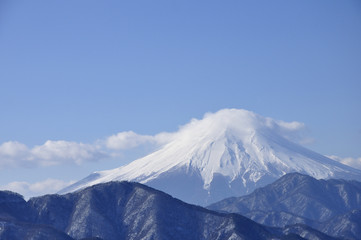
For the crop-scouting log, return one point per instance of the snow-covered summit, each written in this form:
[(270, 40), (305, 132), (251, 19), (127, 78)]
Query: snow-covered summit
[(227, 153)]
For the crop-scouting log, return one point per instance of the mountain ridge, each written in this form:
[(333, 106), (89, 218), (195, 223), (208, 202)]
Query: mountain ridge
[(132, 211), (331, 206)]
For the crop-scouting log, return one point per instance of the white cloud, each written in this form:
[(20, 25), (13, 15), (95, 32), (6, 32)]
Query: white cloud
[(126, 140), (56, 152), (248, 120), (12, 149), (26, 189), (15, 154), (130, 139), (352, 162)]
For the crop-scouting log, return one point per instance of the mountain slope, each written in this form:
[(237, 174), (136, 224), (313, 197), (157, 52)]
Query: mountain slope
[(228, 153), (16, 221), (331, 206), (13, 206), (15, 230), (123, 210)]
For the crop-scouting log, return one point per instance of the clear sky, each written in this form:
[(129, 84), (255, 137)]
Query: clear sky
[(78, 72)]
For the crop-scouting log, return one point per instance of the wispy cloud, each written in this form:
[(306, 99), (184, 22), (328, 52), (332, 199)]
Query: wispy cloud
[(293, 131), (352, 162), (26, 189)]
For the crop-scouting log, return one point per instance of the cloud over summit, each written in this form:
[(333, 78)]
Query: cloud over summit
[(15, 154)]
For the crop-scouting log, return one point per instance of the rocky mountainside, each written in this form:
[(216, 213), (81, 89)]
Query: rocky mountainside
[(347, 225), (228, 153), (331, 206), (124, 210)]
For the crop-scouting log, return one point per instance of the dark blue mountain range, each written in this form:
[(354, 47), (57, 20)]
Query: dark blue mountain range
[(124, 210), (331, 206)]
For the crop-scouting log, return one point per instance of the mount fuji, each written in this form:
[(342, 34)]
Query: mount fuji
[(227, 153)]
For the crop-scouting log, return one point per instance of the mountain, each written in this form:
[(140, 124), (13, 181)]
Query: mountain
[(12, 206), (124, 210), (297, 195), (227, 153), (16, 221), (331, 206)]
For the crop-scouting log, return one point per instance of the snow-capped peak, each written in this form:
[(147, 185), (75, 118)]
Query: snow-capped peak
[(230, 152)]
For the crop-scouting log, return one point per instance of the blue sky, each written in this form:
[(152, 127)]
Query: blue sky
[(81, 71)]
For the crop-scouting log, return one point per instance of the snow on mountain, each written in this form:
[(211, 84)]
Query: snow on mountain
[(227, 153)]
